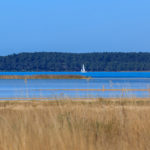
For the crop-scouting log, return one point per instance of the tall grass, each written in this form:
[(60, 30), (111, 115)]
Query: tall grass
[(75, 125)]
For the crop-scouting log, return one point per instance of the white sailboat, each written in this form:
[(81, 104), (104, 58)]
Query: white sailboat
[(83, 69)]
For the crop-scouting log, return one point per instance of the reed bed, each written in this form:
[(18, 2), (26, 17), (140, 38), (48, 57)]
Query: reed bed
[(98, 124), (42, 77)]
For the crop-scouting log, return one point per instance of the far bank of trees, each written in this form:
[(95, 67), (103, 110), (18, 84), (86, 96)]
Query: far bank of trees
[(53, 61)]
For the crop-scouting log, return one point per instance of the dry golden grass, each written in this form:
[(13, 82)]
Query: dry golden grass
[(117, 124)]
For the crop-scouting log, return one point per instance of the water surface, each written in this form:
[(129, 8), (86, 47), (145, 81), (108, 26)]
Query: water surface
[(15, 88), (89, 74)]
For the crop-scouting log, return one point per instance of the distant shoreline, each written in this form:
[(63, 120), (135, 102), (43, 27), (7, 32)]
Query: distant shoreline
[(54, 61), (66, 71)]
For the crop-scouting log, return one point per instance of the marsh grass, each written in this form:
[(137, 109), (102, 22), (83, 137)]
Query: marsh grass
[(25, 77), (101, 124)]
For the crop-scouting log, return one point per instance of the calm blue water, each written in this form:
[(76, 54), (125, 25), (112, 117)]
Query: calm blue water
[(36, 88), (89, 74), (45, 88)]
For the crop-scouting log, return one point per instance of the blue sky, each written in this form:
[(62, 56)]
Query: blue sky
[(74, 25)]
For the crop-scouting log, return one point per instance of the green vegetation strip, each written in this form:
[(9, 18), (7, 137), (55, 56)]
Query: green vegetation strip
[(52, 61)]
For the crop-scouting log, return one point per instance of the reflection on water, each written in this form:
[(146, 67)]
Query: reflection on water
[(54, 87)]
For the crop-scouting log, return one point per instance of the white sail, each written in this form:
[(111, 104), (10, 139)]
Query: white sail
[(83, 69)]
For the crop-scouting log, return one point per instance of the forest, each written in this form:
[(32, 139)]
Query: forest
[(56, 61)]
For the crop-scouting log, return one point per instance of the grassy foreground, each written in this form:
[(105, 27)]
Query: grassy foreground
[(101, 124)]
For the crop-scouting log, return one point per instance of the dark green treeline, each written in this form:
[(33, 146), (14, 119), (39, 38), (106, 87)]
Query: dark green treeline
[(52, 61)]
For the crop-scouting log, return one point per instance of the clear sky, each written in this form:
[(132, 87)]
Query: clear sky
[(74, 25)]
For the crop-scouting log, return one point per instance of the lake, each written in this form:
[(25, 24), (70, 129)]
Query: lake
[(89, 74), (100, 85)]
